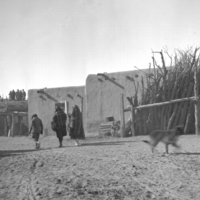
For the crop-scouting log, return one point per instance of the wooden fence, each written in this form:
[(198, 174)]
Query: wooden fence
[(169, 95), (147, 118)]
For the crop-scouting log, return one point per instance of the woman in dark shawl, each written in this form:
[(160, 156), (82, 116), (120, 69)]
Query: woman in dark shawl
[(76, 125), (59, 120)]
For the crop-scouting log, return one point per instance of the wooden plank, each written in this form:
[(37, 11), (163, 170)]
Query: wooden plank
[(132, 121), (106, 126), (103, 130), (196, 103), (122, 116), (111, 80), (109, 128), (106, 131), (161, 103), (110, 124)]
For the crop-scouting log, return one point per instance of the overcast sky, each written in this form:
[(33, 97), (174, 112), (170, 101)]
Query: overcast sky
[(57, 43)]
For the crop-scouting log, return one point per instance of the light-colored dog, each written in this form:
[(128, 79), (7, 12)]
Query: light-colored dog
[(166, 136)]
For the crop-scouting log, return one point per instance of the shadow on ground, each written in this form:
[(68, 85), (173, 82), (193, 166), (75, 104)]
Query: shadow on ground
[(5, 153), (186, 153), (106, 143)]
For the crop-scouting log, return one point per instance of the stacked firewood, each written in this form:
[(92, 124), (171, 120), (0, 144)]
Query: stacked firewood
[(162, 84)]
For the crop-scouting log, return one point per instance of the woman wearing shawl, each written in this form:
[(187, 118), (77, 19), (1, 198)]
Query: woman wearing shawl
[(59, 120), (76, 125)]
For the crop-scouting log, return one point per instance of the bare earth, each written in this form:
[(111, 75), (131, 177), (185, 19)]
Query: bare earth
[(101, 168)]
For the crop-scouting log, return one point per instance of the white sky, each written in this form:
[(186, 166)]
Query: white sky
[(57, 43)]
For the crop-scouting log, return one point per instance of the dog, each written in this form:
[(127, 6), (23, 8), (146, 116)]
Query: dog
[(168, 137)]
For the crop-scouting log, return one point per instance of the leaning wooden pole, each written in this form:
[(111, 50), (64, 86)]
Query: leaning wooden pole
[(5, 126), (20, 124), (160, 104), (196, 104), (82, 106), (122, 116), (13, 125), (132, 120)]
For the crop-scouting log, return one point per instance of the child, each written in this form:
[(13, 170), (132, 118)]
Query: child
[(37, 127)]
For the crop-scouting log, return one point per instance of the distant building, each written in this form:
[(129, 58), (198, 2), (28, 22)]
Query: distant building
[(103, 96), (100, 99), (43, 101), (13, 118)]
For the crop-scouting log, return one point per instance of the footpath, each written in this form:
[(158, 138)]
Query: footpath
[(101, 168)]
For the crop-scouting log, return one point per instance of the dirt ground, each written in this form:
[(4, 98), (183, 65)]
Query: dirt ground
[(101, 168)]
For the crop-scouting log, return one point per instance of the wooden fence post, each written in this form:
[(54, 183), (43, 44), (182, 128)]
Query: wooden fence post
[(82, 105), (20, 124), (5, 126), (132, 120), (122, 116), (13, 125), (196, 104)]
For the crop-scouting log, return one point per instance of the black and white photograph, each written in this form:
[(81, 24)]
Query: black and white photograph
[(99, 100)]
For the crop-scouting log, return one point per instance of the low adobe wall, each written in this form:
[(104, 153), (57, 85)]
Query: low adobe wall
[(43, 103), (103, 97)]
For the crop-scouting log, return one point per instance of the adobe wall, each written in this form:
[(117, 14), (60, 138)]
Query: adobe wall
[(103, 97), (43, 104)]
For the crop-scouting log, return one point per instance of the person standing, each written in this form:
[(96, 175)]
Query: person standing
[(59, 120), (76, 126), (20, 95), (12, 93), (37, 129), (17, 95), (23, 95)]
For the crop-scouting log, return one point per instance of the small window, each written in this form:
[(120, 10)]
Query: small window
[(64, 105)]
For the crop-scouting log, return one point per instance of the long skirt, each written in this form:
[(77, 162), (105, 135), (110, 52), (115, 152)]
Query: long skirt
[(76, 127), (61, 132)]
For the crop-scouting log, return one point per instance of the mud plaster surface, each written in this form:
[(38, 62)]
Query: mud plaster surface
[(101, 168)]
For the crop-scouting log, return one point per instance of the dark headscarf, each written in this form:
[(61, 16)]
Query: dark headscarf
[(34, 115), (58, 108)]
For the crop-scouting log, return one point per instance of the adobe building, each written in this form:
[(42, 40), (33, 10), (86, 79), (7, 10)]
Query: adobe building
[(13, 118), (99, 98), (103, 96), (42, 102)]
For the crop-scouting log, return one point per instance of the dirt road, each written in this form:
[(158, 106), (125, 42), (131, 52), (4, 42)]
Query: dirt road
[(101, 168)]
